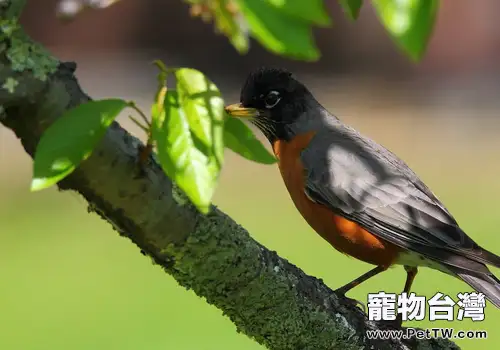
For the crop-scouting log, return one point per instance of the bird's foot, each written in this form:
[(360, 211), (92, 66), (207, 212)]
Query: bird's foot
[(350, 301)]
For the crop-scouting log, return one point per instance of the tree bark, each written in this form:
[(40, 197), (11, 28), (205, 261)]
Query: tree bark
[(266, 297)]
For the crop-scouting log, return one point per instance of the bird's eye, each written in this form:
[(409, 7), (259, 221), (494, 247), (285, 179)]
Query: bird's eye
[(272, 99)]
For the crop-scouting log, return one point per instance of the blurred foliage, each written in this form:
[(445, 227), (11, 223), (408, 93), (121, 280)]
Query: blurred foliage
[(285, 27), (228, 20), (351, 8), (410, 23)]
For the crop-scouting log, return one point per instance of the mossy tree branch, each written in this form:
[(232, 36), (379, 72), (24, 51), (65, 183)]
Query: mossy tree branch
[(266, 297)]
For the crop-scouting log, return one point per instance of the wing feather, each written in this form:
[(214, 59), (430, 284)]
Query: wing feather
[(365, 183)]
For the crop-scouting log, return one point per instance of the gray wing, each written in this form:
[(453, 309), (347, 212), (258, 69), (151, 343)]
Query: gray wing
[(363, 182)]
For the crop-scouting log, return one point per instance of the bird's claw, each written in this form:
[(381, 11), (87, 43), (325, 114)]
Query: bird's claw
[(352, 302)]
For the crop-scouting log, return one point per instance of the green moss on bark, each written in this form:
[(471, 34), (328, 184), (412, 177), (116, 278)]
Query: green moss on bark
[(18, 49), (222, 263)]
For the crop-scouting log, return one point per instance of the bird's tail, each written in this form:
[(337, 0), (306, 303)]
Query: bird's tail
[(486, 257), (487, 284)]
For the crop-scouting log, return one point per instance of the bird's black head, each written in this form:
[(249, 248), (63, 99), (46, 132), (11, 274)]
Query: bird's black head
[(272, 99)]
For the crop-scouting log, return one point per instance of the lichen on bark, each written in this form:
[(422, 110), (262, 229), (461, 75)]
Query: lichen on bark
[(18, 51)]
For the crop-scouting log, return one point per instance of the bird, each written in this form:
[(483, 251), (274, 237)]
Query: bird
[(355, 193)]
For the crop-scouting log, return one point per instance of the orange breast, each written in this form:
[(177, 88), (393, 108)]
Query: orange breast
[(344, 235)]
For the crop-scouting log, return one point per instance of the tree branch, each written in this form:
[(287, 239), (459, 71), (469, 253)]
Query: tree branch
[(266, 297)]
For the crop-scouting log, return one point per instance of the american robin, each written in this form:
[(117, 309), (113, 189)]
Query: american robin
[(356, 194)]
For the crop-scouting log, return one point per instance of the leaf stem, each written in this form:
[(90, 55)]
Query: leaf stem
[(139, 124), (144, 151), (140, 112)]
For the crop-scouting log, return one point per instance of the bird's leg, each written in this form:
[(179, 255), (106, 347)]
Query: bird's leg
[(344, 289), (373, 272), (411, 272)]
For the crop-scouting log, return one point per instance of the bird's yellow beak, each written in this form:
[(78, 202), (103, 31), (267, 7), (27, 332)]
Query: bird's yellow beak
[(238, 111)]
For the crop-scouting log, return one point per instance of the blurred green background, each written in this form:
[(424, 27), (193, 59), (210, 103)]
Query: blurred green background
[(68, 281)]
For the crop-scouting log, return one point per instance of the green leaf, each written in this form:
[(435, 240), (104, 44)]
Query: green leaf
[(190, 168), (231, 25), (311, 10), (410, 23), (239, 138), (204, 107), (279, 32), (71, 139), (188, 126), (351, 8)]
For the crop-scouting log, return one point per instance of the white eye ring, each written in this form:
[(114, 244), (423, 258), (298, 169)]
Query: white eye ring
[(272, 99)]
